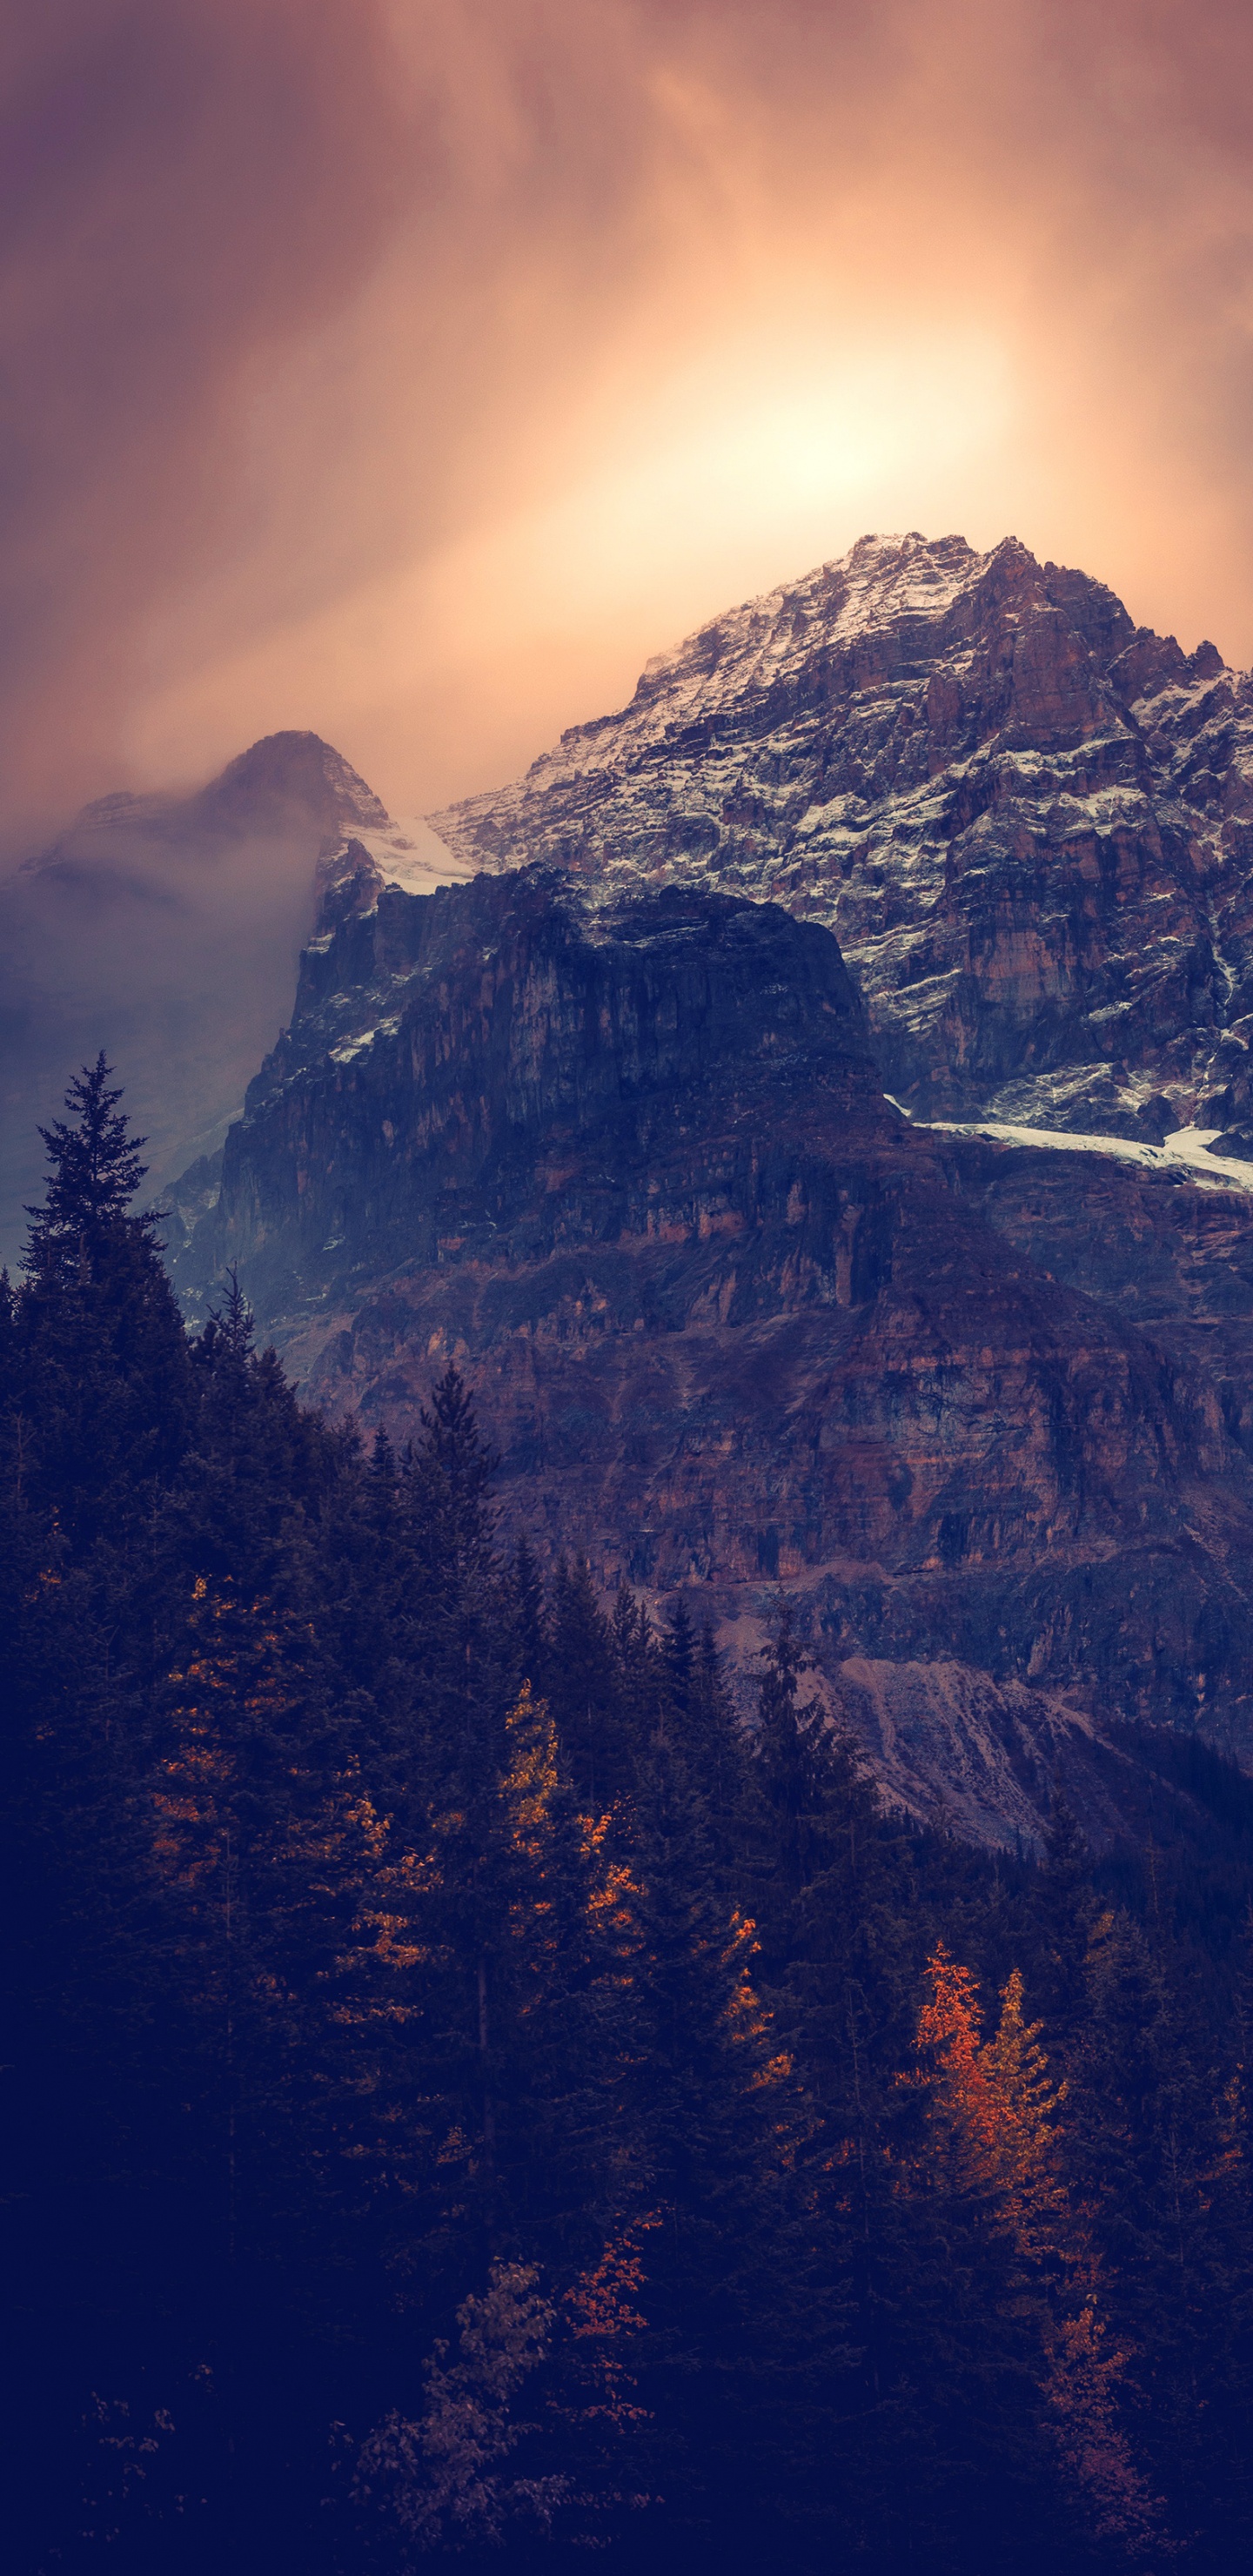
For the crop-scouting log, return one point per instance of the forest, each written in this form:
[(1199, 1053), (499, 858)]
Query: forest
[(473, 2095)]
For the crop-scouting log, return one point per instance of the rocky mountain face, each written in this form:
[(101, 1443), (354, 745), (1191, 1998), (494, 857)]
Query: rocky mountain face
[(622, 1151), (166, 929), (1028, 821), (814, 1109)]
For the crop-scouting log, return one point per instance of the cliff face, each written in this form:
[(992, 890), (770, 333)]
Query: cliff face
[(1029, 822), (448, 1054), (732, 1319)]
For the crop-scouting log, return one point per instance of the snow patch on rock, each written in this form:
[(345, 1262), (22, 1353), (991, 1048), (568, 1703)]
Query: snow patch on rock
[(1189, 1149)]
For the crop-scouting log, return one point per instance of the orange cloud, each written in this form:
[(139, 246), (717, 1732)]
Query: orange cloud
[(412, 371)]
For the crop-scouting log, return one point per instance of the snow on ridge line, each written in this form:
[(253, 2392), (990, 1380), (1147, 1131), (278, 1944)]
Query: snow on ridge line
[(895, 574), (1187, 1148)]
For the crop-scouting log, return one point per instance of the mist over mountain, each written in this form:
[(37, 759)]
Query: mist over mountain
[(166, 930)]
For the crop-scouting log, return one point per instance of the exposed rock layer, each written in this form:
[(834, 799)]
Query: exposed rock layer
[(733, 1320)]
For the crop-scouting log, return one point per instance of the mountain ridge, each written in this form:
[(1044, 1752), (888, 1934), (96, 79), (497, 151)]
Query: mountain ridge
[(1028, 821)]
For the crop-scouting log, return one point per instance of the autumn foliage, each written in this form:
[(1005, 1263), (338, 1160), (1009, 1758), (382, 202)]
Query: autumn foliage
[(477, 2090), (993, 2133)]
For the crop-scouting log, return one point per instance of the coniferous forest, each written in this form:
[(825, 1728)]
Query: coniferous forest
[(469, 2096)]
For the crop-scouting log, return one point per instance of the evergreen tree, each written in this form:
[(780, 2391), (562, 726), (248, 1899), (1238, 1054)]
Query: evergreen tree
[(624, 2062), (678, 1657), (682, 1692), (638, 1674), (587, 1702), (738, 2283), (95, 1174), (102, 1391), (1065, 1909), (528, 1615), (1151, 2148)]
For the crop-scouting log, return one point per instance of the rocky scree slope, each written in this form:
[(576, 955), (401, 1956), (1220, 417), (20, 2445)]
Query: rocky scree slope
[(1028, 820), (732, 1320)]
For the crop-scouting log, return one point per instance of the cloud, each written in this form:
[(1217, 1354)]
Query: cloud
[(188, 186), (411, 371)]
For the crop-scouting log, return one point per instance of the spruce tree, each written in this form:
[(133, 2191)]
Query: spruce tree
[(738, 2288), (586, 1698), (1065, 1909), (1149, 2121), (104, 1388), (527, 1608)]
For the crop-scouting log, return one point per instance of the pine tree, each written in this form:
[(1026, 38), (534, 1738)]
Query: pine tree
[(451, 1471), (994, 2148), (738, 2280), (957, 2453), (528, 1615), (97, 1408), (96, 1171), (791, 1753), (1151, 2141), (520, 1984), (682, 1693), (638, 1675), (678, 1657), (586, 1699), (458, 1626), (259, 1470), (1065, 1909), (103, 1379)]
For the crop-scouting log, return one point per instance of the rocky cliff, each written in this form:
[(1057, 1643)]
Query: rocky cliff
[(1029, 822), (733, 1319)]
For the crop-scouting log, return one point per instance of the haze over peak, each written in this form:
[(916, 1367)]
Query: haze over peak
[(285, 783), (166, 929), (292, 772)]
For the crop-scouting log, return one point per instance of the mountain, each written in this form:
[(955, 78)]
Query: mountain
[(1028, 821), (166, 929), (821, 1130), (623, 1153)]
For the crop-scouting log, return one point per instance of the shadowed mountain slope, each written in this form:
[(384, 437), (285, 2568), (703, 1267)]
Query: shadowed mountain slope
[(733, 1320)]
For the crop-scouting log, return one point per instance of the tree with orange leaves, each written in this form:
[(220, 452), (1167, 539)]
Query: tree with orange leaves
[(524, 1935), (523, 1986), (992, 2135)]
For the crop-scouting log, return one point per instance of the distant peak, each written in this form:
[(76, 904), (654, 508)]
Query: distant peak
[(297, 770), (891, 544)]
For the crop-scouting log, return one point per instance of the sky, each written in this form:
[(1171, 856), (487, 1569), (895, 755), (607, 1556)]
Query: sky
[(412, 370)]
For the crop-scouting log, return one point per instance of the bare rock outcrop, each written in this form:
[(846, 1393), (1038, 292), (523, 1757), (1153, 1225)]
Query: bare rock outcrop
[(1028, 821)]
